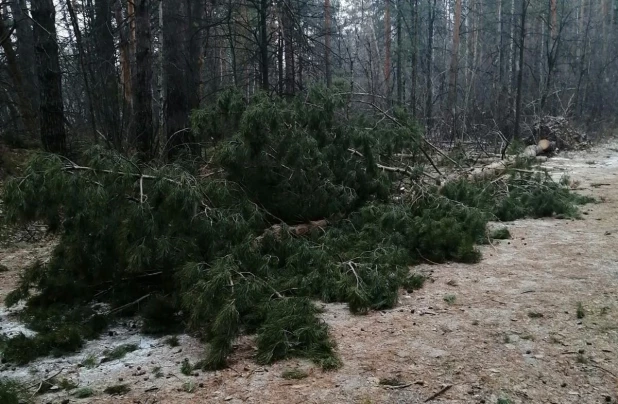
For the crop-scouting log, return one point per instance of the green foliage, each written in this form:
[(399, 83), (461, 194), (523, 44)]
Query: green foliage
[(117, 389), (294, 374), (156, 371), (188, 386), (21, 349), (581, 313), (292, 329), (504, 401), (160, 315), (66, 384), (502, 233), (413, 282), (161, 240), (83, 392), (522, 195), (11, 392), (186, 368), (90, 362), (119, 352), (294, 159), (516, 147), (450, 299), (172, 341)]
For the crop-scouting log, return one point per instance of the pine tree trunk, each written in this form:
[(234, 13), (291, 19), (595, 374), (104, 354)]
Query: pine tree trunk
[(399, 53), (327, 44), (263, 35), (429, 61), (414, 68), (387, 49), (125, 46), (143, 132), (24, 105), (51, 114), (106, 82), (175, 66), (25, 50), (85, 74), (288, 33), (520, 68), (452, 97)]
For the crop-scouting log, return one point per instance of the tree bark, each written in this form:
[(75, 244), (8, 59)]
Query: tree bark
[(124, 33), (106, 82), (452, 97), (51, 114), (554, 19), (327, 42), (85, 73), (399, 34), (263, 43), (429, 61), (520, 68), (288, 39), (25, 49), (414, 62), (24, 105), (387, 50), (143, 131)]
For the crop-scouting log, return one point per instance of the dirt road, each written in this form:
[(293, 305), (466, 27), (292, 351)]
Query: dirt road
[(509, 331)]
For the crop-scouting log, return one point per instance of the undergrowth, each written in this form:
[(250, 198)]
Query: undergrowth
[(192, 244), (12, 392)]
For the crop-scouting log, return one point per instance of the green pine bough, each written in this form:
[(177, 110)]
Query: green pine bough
[(187, 245)]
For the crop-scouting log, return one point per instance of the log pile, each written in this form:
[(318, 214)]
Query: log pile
[(558, 129)]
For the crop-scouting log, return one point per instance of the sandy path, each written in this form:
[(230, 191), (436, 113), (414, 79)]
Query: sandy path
[(512, 332)]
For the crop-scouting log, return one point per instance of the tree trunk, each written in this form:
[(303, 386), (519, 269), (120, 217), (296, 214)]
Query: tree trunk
[(554, 19), (175, 67), (399, 53), (263, 43), (51, 114), (387, 50), (25, 50), (106, 82), (520, 68), (143, 131), (24, 105), (85, 73), (428, 78), (414, 61), (452, 97), (288, 39), (327, 44), (125, 34)]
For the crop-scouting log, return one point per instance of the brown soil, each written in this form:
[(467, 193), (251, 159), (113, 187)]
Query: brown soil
[(512, 331)]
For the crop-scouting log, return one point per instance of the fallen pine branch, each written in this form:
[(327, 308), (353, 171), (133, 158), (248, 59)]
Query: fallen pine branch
[(394, 169)]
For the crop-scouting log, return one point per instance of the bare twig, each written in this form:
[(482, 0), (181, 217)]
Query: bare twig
[(118, 309), (439, 393)]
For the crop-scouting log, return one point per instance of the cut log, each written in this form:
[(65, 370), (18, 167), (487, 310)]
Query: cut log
[(546, 145), (496, 168)]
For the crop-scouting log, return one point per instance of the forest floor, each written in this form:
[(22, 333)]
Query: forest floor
[(506, 328)]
